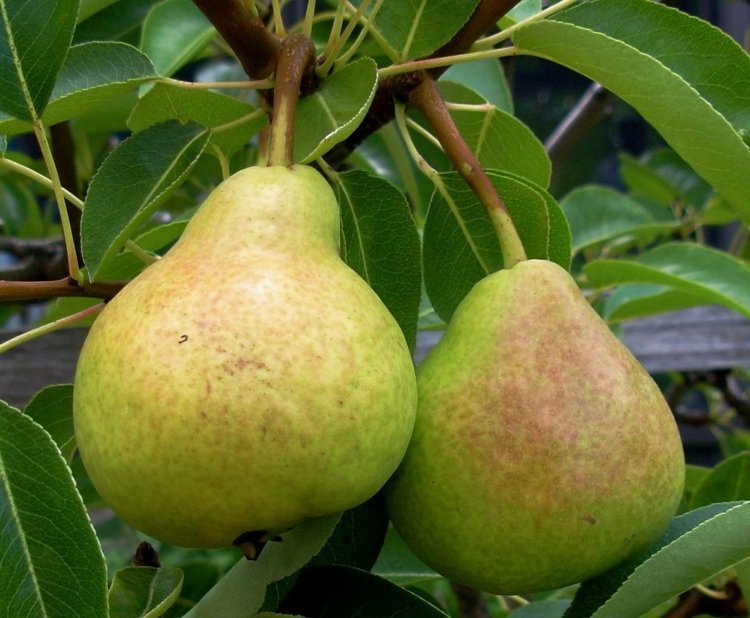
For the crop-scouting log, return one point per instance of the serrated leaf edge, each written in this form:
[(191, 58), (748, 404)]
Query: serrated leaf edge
[(329, 140), (702, 482), (17, 64), (679, 281), (70, 476), (680, 538), (710, 108), (153, 199)]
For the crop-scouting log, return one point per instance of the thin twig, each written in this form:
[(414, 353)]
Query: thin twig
[(443, 62), (11, 291), (50, 327), (587, 112)]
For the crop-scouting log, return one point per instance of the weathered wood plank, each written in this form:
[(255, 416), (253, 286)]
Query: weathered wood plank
[(50, 359), (702, 338)]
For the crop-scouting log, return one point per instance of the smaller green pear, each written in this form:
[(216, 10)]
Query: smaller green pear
[(543, 453)]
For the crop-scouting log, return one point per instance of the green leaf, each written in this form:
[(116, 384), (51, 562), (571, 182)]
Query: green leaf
[(727, 482), (682, 183), (462, 229), (358, 537), (204, 107), (199, 576), (356, 541), (381, 244), (645, 182), (130, 184), (398, 564), (125, 265), (705, 273), (174, 32), (694, 475), (20, 214), (85, 487), (242, 590), (52, 408), (90, 7), (645, 53), (335, 591), (497, 138), (416, 28), (331, 113), (51, 564), (636, 300), (598, 214), (486, 78), (146, 592), (158, 238), (695, 547), (93, 74), (34, 38), (523, 10), (117, 22)]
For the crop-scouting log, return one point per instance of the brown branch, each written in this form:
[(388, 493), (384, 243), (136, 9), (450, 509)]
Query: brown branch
[(470, 602), (694, 603), (146, 555), (398, 87), (587, 112), (256, 48), (63, 152), (12, 291), (296, 64), (38, 259), (485, 16)]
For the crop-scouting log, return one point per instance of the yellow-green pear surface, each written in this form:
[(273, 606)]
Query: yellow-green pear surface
[(543, 453), (249, 379)]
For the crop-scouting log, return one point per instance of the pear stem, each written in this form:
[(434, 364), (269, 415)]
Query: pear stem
[(296, 61), (428, 99)]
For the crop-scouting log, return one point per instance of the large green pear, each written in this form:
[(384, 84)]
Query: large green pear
[(543, 453), (249, 379)]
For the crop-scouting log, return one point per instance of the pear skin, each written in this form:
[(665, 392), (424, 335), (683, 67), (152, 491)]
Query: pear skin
[(543, 453), (249, 379)]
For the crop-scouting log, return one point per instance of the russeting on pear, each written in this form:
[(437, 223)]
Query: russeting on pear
[(249, 379), (543, 453)]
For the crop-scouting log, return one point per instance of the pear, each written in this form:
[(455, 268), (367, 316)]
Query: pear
[(543, 453), (249, 379)]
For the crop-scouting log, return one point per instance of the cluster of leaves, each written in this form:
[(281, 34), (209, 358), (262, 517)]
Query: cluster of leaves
[(148, 147)]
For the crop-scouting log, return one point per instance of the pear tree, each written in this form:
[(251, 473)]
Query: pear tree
[(262, 214)]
